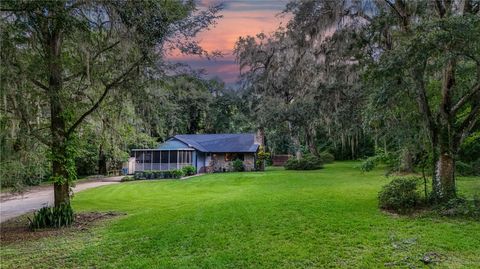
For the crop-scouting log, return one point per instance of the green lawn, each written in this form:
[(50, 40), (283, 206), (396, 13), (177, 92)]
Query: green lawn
[(273, 219)]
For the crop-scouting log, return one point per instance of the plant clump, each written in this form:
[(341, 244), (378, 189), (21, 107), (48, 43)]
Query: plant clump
[(52, 217), (307, 162), (189, 170), (400, 195), (238, 165)]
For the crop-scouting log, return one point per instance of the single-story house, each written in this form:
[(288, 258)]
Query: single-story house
[(206, 152)]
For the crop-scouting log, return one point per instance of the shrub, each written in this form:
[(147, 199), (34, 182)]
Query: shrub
[(189, 170), (368, 164), (238, 165), (468, 169), (461, 207), (177, 173), (326, 157), (400, 195), (52, 217), (138, 175), (127, 178), (291, 164), (17, 174), (149, 174), (390, 159), (307, 162), (262, 158)]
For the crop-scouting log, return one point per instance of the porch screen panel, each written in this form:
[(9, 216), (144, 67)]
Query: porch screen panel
[(173, 156), (156, 156), (164, 156)]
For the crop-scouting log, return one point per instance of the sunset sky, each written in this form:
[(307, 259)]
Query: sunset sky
[(240, 18)]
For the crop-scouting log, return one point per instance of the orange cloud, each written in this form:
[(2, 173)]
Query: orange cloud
[(240, 18)]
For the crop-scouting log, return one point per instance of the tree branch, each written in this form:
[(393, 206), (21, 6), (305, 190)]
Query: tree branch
[(108, 87), (468, 123), (474, 91), (422, 101), (84, 69), (440, 8), (392, 6), (39, 84)]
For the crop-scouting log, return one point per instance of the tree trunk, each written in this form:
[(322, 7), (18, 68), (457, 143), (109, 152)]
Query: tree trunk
[(102, 162), (407, 161), (295, 141), (444, 177), (59, 141), (310, 137), (298, 148)]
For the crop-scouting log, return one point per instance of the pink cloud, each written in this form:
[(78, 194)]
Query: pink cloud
[(240, 18)]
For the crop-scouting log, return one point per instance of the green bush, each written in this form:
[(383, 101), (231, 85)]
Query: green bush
[(189, 170), (138, 175), (307, 162), (400, 195), (127, 178), (52, 217), (461, 207), (177, 173), (262, 159), (326, 157), (368, 164), (17, 174), (390, 159), (238, 165), (468, 169)]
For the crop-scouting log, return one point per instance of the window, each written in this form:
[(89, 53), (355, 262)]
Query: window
[(233, 156), (156, 157)]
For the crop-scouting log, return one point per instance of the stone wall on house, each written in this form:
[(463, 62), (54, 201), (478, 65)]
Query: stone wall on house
[(218, 163), (249, 161)]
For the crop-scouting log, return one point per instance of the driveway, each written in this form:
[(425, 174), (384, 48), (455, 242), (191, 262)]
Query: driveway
[(39, 197)]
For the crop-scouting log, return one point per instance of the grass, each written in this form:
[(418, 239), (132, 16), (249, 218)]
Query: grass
[(273, 219)]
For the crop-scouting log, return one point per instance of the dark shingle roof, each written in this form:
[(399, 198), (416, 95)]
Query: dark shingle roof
[(220, 142)]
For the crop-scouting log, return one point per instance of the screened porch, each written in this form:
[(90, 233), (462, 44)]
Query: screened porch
[(154, 159)]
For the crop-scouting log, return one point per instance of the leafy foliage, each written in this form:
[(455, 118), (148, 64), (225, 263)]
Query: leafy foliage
[(127, 178), (461, 207), (326, 157), (189, 170), (238, 165), (262, 157), (390, 159), (178, 173), (400, 195), (52, 217), (307, 162)]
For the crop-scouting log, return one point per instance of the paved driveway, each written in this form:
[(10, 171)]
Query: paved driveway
[(37, 198)]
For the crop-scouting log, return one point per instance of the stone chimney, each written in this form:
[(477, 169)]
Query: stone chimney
[(260, 137)]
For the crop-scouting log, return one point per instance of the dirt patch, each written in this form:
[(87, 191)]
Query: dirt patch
[(17, 229)]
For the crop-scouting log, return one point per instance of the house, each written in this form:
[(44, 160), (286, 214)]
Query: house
[(206, 152)]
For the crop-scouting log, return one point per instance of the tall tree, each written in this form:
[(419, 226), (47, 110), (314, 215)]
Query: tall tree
[(76, 52), (418, 49)]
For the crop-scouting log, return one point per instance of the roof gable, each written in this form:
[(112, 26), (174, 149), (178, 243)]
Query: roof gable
[(173, 144)]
